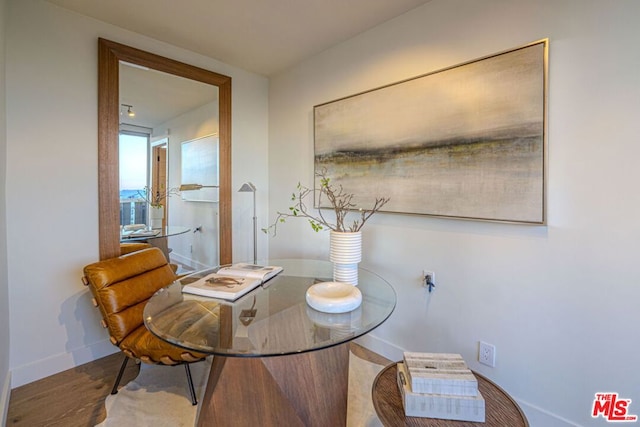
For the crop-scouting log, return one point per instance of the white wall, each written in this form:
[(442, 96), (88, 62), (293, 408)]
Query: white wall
[(5, 377), (559, 302), (52, 204)]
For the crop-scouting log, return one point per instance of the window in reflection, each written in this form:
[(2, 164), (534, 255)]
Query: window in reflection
[(133, 178)]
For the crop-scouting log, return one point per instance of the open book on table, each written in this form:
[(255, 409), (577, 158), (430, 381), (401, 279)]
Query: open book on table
[(232, 282)]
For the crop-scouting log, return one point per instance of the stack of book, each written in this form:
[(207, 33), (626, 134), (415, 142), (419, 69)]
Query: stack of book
[(439, 385)]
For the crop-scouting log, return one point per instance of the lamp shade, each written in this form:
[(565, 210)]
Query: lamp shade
[(247, 187)]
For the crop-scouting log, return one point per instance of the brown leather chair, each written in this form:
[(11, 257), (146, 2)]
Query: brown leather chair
[(121, 287)]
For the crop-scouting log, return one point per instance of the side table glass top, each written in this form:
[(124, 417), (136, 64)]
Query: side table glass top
[(273, 319)]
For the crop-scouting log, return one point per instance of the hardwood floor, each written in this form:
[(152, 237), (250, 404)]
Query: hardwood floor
[(75, 398)]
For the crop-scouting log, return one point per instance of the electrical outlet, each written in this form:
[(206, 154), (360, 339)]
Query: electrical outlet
[(487, 354), (430, 274)]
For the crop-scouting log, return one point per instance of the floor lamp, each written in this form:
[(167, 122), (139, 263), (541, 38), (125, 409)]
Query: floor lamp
[(248, 187)]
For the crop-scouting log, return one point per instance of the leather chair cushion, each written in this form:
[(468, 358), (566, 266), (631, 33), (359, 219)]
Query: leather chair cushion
[(142, 344), (122, 286)]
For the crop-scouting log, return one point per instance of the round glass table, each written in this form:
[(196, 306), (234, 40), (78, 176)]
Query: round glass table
[(277, 361), (155, 237)]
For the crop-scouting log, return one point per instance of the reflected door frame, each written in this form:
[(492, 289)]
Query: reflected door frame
[(109, 56), (159, 178)]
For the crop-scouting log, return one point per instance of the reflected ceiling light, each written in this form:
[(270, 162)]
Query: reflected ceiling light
[(130, 112)]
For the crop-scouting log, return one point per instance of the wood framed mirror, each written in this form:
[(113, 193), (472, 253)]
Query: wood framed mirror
[(109, 56)]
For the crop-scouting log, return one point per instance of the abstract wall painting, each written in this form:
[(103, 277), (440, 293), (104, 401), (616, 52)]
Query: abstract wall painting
[(468, 141)]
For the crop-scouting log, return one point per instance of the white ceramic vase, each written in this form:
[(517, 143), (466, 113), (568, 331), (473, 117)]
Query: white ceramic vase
[(345, 252), (156, 215)]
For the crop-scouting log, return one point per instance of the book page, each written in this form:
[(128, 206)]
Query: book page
[(250, 270), (222, 286)]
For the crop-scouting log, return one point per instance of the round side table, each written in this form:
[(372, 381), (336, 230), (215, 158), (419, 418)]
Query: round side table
[(500, 409)]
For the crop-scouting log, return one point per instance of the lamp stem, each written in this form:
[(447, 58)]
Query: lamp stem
[(255, 231)]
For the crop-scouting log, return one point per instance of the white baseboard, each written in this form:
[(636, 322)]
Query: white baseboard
[(5, 395), (539, 417), (536, 416), (381, 347), (26, 374), (188, 261)]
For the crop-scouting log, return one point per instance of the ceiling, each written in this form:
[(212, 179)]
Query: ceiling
[(262, 36)]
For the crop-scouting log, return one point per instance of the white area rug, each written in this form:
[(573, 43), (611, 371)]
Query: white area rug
[(159, 396)]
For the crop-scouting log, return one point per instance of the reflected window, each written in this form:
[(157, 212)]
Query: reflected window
[(134, 177)]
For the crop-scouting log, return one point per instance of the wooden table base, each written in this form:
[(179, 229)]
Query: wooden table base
[(306, 389)]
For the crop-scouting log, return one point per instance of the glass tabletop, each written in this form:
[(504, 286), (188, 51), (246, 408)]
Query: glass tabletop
[(147, 233), (273, 319)]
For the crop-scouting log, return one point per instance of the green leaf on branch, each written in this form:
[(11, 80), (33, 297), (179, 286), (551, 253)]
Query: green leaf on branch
[(341, 203)]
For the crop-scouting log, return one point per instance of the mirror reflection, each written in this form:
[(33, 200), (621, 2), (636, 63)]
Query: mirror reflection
[(180, 125), (160, 114)]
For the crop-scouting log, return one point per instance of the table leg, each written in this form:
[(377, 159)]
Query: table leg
[(162, 243), (306, 389)]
